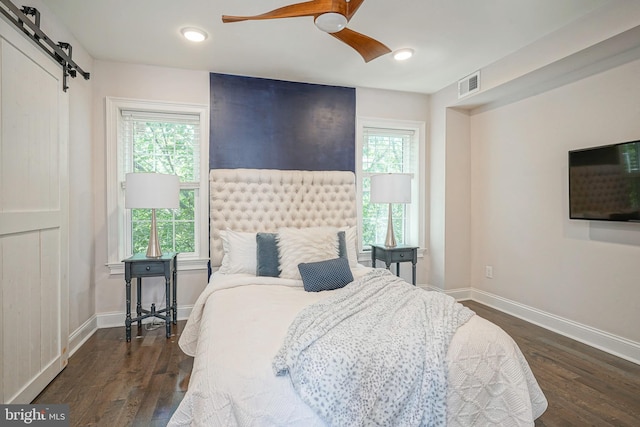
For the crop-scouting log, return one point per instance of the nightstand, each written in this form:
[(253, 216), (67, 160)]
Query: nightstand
[(140, 266), (398, 254)]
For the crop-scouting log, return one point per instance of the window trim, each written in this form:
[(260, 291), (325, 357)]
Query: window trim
[(116, 215), (416, 211)]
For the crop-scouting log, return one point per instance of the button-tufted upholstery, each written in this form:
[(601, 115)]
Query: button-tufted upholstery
[(253, 200), (598, 189)]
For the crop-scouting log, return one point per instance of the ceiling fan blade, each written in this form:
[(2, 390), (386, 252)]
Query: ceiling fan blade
[(308, 8), (352, 7), (367, 47)]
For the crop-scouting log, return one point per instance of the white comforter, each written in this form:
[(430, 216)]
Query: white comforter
[(373, 353), (240, 322)]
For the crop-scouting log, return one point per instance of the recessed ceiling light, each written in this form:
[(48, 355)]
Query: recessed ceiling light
[(193, 34), (402, 54)]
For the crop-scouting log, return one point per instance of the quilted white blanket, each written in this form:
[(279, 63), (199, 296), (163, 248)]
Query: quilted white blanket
[(240, 322), (373, 353)]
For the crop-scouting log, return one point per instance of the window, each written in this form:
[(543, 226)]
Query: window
[(385, 147), (163, 138), (162, 143), (631, 156)]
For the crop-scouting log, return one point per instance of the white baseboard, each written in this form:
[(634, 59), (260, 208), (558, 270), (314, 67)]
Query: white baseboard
[(610, 343), (108, 320), (82, 334), (116, 319), (461, 294)]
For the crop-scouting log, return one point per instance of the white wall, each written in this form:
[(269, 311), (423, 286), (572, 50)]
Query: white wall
[(449, 168), (147, 83), (81, 253), (391, 105), (81, 248), (395, 105), (437, 191), (458, 220), (501, 156), (519, 204)]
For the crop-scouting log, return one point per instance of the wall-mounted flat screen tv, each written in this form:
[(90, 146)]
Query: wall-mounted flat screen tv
[(604, 182)]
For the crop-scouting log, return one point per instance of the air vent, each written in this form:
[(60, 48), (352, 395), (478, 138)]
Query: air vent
[(469, 85)]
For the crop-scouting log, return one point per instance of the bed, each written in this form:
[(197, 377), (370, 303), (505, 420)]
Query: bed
[(292, 331)]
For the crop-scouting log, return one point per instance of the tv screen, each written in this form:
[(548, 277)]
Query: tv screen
[(604, 182)]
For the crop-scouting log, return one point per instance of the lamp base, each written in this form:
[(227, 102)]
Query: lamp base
[(153, 249), (390, 241)]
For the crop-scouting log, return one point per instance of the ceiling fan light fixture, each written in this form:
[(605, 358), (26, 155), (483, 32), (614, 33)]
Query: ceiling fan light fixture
[(194, 34), (331, 22), (402, 54)]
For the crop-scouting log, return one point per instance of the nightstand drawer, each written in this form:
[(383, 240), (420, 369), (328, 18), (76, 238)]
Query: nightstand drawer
[(400, 255), (396, 255), (140, 269)]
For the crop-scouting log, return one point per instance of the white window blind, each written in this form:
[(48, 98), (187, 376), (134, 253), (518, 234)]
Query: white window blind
[(165, 143), (386, 150)]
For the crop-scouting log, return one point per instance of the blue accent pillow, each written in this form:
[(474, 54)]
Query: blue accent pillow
[(342, 244), (267, 255), (325, 275)]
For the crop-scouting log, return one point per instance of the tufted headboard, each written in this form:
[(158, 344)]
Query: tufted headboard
[(597, 190), (253, 200)]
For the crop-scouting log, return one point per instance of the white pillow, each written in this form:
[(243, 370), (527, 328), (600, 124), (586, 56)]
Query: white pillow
[(239, 252), (350, 238), (298, 245)]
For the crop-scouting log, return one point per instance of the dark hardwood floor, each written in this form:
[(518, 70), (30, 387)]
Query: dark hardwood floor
[(584, 386), (109, 382)]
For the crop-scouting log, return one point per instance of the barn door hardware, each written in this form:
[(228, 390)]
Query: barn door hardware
[(61, 52)]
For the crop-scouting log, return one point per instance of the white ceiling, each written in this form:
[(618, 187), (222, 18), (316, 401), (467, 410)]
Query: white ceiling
[(451, 38)]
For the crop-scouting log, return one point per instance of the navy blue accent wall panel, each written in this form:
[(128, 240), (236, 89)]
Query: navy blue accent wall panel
[(274, 124)]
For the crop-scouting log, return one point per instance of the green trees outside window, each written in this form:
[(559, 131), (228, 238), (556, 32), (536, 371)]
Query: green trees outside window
[(384, 151), (169, 146)]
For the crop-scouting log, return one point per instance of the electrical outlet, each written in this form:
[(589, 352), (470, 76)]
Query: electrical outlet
[(488, 271)]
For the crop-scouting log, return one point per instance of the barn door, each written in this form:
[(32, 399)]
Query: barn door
[(34, 327)]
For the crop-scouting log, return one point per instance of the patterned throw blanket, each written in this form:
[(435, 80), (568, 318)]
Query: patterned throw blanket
[(373, 353)]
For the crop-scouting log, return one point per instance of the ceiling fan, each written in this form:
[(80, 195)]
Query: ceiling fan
[(331, 16)]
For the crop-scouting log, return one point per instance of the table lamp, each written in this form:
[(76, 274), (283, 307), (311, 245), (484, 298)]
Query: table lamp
[(152, 191), (391, 188)]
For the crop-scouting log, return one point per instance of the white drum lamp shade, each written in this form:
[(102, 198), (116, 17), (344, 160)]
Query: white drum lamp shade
[(391, 188), (152, 191)]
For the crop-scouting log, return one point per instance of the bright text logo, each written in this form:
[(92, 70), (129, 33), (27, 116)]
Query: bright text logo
[(36, 415)]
